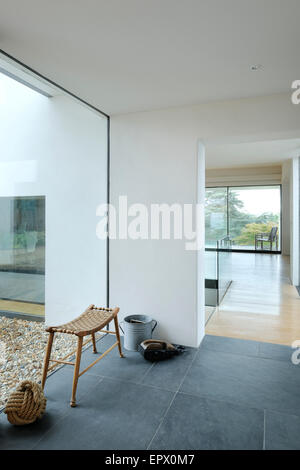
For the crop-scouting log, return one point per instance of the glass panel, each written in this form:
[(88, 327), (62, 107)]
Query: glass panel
[(224, 266), (211, 267), (211, 275), (253, 213), (215, 215), (217, 271), (22, 253)]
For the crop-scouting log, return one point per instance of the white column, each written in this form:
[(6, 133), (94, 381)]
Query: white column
[(294, 199)]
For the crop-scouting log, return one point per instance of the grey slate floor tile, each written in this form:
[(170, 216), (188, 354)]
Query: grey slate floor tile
[(250, 381), (277, 352), (199, 423), (131, 368), (58, 392), (225, 389), (282, 431), (127, 417), (169, 374), (230, 345)]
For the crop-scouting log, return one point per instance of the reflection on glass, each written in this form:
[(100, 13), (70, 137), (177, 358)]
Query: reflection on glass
[(218, 275), (22, 252), (224, 267), (211, 275), (215, 215)]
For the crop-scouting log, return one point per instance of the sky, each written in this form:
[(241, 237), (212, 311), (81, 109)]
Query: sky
[(259, 200)]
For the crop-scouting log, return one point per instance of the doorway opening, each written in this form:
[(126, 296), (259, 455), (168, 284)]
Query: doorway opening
[(251, 216)]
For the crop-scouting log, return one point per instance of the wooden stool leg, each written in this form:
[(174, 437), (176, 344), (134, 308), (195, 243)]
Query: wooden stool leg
[(118, 335), (76, 371), (47, 358), (94, 343)]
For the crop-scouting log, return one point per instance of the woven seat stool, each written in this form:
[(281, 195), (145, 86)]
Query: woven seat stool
[(92, 320)]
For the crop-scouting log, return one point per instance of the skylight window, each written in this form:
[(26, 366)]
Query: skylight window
[(24, 76)]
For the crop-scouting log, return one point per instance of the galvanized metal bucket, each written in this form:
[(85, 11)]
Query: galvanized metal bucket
[(136, 329)]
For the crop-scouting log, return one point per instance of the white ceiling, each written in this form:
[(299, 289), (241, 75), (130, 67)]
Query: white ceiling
[(129, 55), (253, 153)]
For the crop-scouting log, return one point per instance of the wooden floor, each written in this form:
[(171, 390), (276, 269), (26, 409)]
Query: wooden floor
[(22, 307), (208, 313), (261, 303)]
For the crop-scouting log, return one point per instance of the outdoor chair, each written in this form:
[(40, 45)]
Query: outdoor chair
[(88, 323), (271, 238)]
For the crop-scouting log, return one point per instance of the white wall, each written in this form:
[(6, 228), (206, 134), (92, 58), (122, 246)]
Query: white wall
[(154, 277), (58, 148), (154, 159), (200, 317), (285, 228), (294, 221)]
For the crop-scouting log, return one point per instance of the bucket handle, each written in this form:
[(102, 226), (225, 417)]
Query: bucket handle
[(155, 324)]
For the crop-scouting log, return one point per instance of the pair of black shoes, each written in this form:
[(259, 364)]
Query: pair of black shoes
[(154, 350)]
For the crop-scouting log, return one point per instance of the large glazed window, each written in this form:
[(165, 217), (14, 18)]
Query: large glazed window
[(53, 176), (249, 216), (22, 253), (253, 211)]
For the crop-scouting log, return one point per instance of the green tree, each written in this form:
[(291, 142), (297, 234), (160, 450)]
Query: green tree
[(242, 225), (216, 212), (267, 217), (247, 236)]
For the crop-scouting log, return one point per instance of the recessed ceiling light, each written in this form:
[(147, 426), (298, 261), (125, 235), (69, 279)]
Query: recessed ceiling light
[(256, 67)]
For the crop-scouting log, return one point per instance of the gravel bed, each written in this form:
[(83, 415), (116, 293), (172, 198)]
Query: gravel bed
[(22, 349)]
